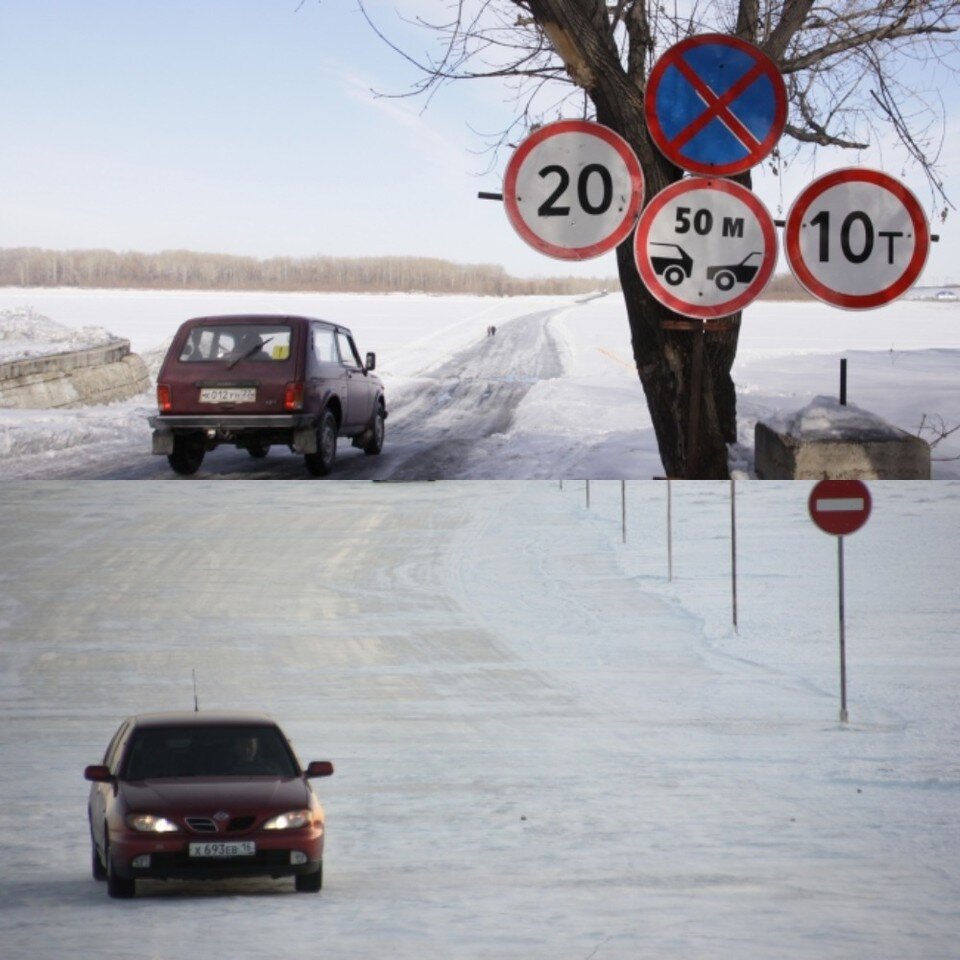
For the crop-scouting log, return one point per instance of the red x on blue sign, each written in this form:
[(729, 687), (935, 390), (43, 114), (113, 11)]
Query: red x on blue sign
[(715, 105)]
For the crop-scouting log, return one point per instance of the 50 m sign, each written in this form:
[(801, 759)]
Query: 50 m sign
[(573, 190)]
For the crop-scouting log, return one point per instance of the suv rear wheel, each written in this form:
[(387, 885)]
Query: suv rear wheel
[(187, 454), (319, 464)]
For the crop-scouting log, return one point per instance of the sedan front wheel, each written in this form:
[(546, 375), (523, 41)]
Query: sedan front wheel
[(310, 882)]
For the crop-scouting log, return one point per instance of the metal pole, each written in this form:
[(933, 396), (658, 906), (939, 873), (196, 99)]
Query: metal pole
[(588, 494), (733, 545), (844, 717), (696, 389), (669, 533), (623, 508), (843, 382)]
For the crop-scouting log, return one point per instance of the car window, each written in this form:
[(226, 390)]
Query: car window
[(236, 342), (110, 755), (207, 751), (348, 353), (323, 345)]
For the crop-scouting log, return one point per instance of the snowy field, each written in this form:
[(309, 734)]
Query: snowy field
[(559, 376), (544, 749)]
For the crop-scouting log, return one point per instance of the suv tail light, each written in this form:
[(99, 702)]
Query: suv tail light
[(293, 396), (163, 398)]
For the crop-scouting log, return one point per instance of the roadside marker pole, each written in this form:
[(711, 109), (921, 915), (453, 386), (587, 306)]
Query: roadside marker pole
[(844, 716), (669, 533), (623, 508), (733, 546), (588, 494)]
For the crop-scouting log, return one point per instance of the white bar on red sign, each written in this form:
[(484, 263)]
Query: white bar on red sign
[(841, 505)]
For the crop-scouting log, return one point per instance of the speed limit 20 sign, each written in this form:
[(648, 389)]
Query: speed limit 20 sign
[(856, 238), (573, 190)]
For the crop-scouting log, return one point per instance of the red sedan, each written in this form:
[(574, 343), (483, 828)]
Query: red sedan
[(203, 796)]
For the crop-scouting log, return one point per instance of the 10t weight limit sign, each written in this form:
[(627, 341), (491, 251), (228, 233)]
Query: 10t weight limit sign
[(573, 190), (857, 238)]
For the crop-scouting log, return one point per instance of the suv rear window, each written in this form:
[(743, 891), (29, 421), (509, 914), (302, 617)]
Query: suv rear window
[(235, 342)]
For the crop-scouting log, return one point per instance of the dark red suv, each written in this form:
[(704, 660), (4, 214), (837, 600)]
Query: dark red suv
[(256, 381), (202, 796)]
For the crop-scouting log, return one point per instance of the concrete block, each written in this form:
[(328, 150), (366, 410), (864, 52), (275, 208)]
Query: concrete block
[(827, 441), (97, 375)]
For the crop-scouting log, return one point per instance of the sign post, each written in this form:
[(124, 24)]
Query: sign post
[(840, 507), (573, 189)]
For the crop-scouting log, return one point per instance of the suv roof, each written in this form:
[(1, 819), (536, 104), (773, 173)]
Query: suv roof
[(234, 318)]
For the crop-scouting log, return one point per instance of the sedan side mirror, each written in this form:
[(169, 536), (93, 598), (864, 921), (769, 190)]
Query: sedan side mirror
[(371, 361), (320, 768), (98, 774)]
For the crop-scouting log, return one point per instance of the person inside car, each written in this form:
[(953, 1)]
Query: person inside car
[(246, 756), (249, 347)]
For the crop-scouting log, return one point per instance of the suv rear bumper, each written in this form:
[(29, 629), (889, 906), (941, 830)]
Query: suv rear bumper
[(299, 430)]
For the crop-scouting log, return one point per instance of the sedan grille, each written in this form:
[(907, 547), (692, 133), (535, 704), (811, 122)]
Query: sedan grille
[(240, 823), (201, 824)]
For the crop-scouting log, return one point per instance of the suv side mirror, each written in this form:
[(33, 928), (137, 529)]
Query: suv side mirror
[(97, 774), (320, 768), (371, 361)]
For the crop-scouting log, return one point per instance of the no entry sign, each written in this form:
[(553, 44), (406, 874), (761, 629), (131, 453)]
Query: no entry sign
[(715, 105), (856, 238), (705, 248), (840, 507), (573, 190)]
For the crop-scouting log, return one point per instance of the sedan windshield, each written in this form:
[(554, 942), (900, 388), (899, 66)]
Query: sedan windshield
[(207, 751)]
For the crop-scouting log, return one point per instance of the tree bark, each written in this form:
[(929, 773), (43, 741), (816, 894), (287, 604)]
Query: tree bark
[(692, 401)]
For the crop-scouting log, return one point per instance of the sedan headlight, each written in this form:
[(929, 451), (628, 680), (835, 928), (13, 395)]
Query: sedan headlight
[(148, 823), (290, 821)]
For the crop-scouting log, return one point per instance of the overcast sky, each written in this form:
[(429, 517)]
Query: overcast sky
[(249, 127)]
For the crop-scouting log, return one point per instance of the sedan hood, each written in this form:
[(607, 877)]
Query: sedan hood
[(206, 795)]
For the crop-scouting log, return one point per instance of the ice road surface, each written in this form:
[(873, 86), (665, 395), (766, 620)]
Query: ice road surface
[(553, 394), (544, 749)]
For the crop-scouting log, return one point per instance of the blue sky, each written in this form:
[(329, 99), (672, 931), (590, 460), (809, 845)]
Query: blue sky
[(249, 127)]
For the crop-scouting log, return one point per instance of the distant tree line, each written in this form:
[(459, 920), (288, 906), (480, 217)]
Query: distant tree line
[(188, 270)]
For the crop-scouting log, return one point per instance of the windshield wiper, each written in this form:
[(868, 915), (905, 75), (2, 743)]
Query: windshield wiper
[(257, 346)]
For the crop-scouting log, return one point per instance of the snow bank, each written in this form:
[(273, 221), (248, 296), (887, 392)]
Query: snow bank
[(825, 419), (24, 333)]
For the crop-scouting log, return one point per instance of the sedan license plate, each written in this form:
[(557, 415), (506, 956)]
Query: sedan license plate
[(240, 848), (228, 394)]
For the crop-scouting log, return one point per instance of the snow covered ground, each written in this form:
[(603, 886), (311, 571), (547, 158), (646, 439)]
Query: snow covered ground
[(544, 748), (563, 365)]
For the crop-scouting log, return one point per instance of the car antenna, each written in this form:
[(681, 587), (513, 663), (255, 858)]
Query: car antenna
[(196, 704)]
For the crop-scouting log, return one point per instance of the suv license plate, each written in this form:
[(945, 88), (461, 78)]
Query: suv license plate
[(228, 394), (242, 848)]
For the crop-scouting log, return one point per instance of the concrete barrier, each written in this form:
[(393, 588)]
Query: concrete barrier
[(896, 455), (80, 378)]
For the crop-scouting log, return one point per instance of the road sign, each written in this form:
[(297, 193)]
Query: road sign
[(715, 105), (856, 238), (839, 507), (573, 189), (705, 248)]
